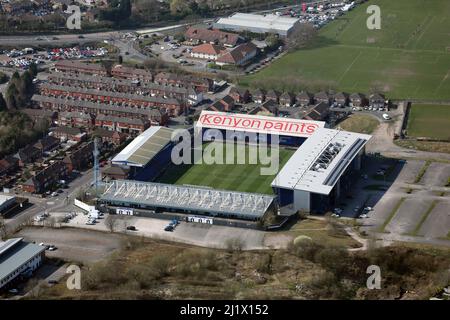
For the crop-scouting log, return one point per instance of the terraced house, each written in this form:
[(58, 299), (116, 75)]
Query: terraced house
[(172, 106)]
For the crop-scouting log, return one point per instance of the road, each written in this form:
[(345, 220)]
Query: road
[(50, 204)]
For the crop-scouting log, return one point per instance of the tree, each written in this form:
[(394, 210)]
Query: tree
[(3, 230), (11, 96), (111, 222), (301, 36), (33, 69), (180, 7), (3, 106)]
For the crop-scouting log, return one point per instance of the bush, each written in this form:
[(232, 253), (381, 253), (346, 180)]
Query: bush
[(264, 263), (334, 259), (234, 244), (305, 249)]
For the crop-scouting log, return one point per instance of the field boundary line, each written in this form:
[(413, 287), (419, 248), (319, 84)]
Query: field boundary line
[(349, 67)]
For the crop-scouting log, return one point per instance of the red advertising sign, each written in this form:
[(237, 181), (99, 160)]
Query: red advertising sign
[(259, 124)]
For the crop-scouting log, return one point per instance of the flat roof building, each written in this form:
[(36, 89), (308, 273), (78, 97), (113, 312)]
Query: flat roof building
[(255, 23), (317, 167), (144, 147), (18, 258), (188, 199)]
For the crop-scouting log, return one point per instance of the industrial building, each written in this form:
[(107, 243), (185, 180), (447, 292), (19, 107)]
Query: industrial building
[(261, 24), (6, 203), (318, 173), (148, 154), (18, 259), (137, 198)]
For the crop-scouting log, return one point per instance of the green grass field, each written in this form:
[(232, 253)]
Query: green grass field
[(408, 58), (236, 177), (360, 123), (431, 121)]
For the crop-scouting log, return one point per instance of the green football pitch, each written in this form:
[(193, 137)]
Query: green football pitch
[(236, 177), (408, 58), (429, 121)]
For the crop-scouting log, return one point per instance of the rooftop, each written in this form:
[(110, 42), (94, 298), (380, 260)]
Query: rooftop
[(144, 147), (319, 162), (268, 21), (14, 253), (244, 205)]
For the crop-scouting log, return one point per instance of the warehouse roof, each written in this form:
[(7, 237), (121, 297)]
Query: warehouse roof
[(143, 148), (268, 21), (241, 204), (319, 162), (15, 253), (258, 124)]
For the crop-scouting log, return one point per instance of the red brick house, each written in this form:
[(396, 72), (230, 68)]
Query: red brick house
[(173, 107), (358, 100), (45, 178), (239, 56), (120, 71), (304, 98), (318, 113), (28, 155), (287, 99), (81, 67), (240, 95), (120, 124), (81, 158), (212, 36), (207, 51), (108, 136), (69, 133)]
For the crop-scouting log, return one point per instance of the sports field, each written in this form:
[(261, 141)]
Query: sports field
[(430, 121), (408, 58), (236, 177)]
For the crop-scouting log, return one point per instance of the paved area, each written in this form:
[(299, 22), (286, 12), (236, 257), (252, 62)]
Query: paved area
[(73, 244), (424, 213), (193, 233)]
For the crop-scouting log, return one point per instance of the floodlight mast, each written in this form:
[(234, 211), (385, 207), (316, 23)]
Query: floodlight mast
[(96, 153)]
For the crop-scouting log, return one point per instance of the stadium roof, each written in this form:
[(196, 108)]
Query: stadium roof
[(258, 124), (241, 204), (319, 162), (266, 22), (15, 253), (144, 147)]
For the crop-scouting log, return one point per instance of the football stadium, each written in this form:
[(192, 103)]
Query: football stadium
[(314, 167)]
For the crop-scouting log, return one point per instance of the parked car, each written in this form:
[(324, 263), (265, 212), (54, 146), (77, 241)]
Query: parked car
[(168, 228), (52, 281), (131, 228), (14, 291)]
